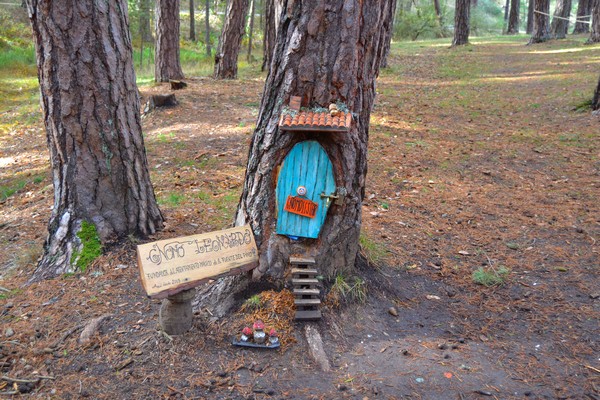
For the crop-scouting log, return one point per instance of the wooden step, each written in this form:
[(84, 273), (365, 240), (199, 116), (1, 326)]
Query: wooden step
[(308, 314), (302, 261), (306, 292), (307, 302), (305, 271), (305, 282)]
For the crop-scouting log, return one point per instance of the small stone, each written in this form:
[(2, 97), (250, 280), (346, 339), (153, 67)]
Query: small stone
[(9, 305), (393, 311), (442, 346), (447, 356), (405, 352), (8, 332), (342, 388), (594, 296)]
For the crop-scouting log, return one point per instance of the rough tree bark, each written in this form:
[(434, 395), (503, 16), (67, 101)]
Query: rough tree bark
[(92, 117), (230, 40), (251, 31), (166, 62), (560, 21), (596, 99), (584, 9), (326, 52), (207, 28), (595, 27), (530, 7), (192, 22), (273, 10), (541, 25), (461, 23), (513, 18), (389, 32)]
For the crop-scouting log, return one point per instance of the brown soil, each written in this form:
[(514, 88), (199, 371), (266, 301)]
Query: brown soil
[(477, 159)]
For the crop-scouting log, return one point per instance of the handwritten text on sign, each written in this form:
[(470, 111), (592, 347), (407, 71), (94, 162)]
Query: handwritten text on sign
[(171, 265), (300, 206)]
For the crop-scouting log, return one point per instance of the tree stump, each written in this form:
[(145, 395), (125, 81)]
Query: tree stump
[(175, 315)]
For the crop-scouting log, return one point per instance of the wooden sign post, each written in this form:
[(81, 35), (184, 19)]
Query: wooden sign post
[(170, 268)]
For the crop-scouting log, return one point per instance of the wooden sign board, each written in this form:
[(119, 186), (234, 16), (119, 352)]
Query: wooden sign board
[(170, 266), (300, 206)]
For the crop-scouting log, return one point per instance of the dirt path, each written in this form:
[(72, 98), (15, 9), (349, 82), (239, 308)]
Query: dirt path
[(477, 160)]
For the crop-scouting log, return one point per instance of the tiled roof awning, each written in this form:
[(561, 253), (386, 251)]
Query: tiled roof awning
[(315, 121)]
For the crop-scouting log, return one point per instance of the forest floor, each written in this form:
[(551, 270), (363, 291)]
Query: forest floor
[(479, 162)]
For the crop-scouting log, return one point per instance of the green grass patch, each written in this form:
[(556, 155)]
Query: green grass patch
[(490, 277), (172, 199), (375, 253), (17, 185), (348, 289), (91, 247)]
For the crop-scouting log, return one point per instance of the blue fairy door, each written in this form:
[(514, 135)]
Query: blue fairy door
[(304, 187)]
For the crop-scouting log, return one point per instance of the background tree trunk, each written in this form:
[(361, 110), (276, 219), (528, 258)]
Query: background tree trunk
[(506, 10), (461, 23), (273, 9), (306, 65), (595, 27), (541, 23), (596, 99), (92, 117), (389, 33), (560, 23), (192, 22), (438, 10), (230, 40), (145, 29), (207, 29), (584, 9), (530, 7), (513, 18), (166, 62), (251, 31)]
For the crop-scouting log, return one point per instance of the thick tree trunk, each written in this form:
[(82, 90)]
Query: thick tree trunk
[(461, 23), (513, 18), (251, 31), (560, 21), (389, 32), (541, 25), (166, 61), (595, 27), (273, 9), (230, 40), (326, 52), (583, 13), (92, 117), (530, 7), (596, 99), (192, 22), (207, 28)]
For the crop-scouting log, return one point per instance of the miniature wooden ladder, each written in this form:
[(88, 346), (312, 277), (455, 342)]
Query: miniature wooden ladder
[(306, 292)]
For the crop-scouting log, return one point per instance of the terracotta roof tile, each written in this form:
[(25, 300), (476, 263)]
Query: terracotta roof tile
[(316, 121)]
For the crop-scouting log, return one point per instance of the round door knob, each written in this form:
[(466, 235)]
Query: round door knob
[(301, 191)]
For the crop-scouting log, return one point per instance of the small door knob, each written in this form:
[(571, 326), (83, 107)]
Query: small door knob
[(301, 191)]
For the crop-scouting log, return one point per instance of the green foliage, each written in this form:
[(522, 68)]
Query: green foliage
[(349, 289), (490, 277), (486, 18), (91, 247), (253, 303), (423, 22), (374, 252)]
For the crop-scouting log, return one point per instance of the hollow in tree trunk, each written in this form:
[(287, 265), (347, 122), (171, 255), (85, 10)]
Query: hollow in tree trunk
[(530, 7), (541, 25), (192, 22), (230, 40), (92, 117), (513, 18), (595, 27), (273, 10), (326, 52), (207, 28), (166, 62), (560, 21), (461, 23), (584, 10)]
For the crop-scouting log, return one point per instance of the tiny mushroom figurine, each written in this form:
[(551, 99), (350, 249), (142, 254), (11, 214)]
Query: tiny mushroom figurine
[(259, 332), (273, 339), (333, 110), (246, 333)]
